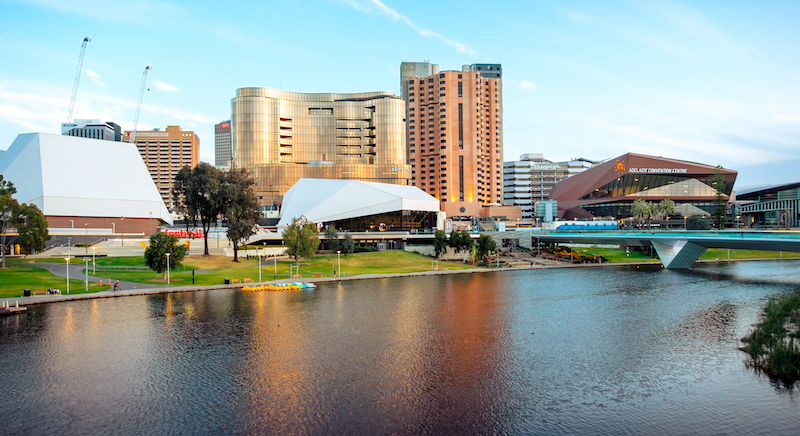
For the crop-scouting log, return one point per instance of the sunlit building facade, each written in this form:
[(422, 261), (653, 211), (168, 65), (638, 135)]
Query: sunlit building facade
[(609, 189), (165, 152), (455, 135), (281, 137)]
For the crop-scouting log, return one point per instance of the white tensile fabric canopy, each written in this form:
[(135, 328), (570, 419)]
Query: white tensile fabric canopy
[(325, 200)]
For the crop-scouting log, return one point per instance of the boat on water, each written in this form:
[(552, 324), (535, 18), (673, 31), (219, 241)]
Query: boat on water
[(279, 287)]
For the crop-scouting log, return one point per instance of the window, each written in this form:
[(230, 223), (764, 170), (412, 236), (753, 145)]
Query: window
[(460, 89)]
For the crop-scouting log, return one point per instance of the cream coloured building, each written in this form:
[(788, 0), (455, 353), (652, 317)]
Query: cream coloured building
[(165, 152), (282, 136)]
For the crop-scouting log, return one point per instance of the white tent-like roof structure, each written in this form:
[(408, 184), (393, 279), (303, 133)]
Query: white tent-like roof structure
[(325, 200), (71, 176)]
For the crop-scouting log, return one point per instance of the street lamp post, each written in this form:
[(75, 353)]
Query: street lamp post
[(167, 254), (86, 275), (258, 252), (69, 246), (94, 269), (67, 259), (122, 229), (684, 222), (339, 258)]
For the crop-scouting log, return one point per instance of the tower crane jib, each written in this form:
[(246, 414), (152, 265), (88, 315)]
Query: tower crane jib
[(139, 103), (86, 40)]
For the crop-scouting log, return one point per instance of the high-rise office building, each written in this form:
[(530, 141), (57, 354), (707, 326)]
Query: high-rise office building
[(94, 129), (165, 152), (222, 144), (281, 137), (455, 135), (527, 182)]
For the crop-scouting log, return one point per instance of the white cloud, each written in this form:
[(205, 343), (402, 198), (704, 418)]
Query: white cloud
[(94, 77), (373, 5), (164, 86), (527, 85)]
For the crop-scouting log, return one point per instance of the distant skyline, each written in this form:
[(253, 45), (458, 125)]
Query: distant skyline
[(710, 82)]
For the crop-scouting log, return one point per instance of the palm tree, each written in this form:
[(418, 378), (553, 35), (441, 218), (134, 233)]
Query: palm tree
[(641, 209), (667, 208)]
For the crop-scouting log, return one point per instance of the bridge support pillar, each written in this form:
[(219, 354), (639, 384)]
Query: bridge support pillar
[(678, 254)]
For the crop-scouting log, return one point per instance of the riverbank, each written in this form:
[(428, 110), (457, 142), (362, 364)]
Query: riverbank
[(160, 289)]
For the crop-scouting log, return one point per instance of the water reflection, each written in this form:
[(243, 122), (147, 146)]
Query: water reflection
[(589, 350)]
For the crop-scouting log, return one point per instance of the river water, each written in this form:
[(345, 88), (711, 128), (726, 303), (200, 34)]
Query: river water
[(602, 350)]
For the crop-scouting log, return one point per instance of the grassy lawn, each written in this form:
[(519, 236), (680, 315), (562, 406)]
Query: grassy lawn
[(218, 268), (19, 276), (616, 254), (722, 254)]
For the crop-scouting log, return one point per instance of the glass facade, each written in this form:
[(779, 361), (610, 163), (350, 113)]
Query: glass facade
[(282, 136), (643, 184), (401, 220)]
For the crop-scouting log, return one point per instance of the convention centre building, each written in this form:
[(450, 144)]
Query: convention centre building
[(608, 189)]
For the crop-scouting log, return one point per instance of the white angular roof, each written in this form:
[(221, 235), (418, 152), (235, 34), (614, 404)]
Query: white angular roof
[(325, 200), (71, 176)]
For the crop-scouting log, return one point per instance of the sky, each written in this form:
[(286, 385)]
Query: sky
[(705, 81)]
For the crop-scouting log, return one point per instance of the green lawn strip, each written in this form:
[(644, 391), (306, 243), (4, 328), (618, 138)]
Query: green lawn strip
[(17, 277), (355, 264), (616, 255), (722, 254)]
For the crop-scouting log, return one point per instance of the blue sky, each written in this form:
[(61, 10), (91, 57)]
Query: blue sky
[(710, 81)]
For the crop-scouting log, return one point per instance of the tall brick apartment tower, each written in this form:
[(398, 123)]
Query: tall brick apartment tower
[(454, 122)]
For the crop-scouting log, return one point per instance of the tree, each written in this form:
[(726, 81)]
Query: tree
[(718, 183), (31, 227), (8, 209), (240, 206), (666, 207), (200, 189), (486, 246), (460, 240), (155, 255), (332, 236), (439, 243), (301, 237), (697, 222), (642, 209), (348, 244)]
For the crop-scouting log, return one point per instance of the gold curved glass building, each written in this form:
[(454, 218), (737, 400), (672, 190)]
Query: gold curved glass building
[(281, 137)]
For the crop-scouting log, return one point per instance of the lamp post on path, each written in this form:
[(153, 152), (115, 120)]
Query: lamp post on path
[(94, 269), (167, 254), (86, 275), (67, 259), (339, 258)]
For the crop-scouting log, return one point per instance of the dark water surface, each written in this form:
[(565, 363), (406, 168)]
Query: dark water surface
[(561, 351)]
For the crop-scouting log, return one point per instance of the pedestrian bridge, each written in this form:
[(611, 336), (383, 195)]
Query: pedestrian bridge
[(680, 249)]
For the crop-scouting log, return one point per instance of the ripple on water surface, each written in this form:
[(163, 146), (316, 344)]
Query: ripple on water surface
[(588, 351)]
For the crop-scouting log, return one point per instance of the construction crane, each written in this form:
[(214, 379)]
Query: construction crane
[(86, 40), (139, 103)]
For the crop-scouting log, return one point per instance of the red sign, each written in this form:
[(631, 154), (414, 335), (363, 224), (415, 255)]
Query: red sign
[(185, 234)]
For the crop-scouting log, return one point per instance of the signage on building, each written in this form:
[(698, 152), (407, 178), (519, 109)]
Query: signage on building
[(657, 170), (185, 234), (398, 169)]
